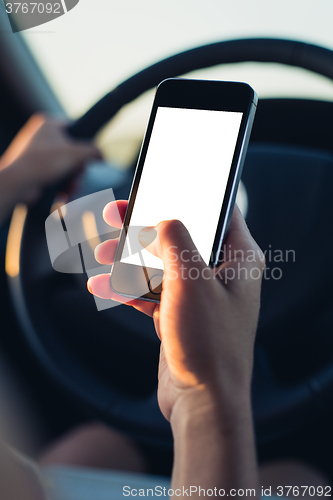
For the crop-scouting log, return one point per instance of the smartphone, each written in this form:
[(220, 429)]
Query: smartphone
[(188, 169)]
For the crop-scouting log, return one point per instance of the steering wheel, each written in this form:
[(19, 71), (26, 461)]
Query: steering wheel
[(116, 379)]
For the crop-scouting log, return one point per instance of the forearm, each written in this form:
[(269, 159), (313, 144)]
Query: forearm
[(214, 448)]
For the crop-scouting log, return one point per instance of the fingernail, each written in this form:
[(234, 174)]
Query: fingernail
[(96, 250), (147, 235), (146, 230), (89, 286)]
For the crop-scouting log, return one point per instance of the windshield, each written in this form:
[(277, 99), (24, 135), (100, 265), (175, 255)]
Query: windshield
[(96, 45)]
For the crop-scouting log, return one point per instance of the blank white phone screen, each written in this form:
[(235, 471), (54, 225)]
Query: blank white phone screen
[(184, 176)]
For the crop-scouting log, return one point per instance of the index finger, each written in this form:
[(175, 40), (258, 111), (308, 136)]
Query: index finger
[(114, 213)]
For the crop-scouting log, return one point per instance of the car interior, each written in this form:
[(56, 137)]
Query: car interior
[(74, 362)]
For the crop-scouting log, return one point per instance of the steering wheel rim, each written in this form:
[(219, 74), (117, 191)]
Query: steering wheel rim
[(266, 50), (141, 418)]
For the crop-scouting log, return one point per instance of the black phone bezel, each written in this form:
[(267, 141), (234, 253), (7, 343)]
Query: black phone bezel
[(192, 94)]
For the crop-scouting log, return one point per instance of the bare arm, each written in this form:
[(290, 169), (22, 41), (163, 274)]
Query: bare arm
[(214, 446), (207, 329)]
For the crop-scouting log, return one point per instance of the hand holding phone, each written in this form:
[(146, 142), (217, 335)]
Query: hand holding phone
[(192, 157), (193, 312)]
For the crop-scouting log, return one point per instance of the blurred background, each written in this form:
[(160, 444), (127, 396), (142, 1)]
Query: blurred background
[(65, 66), (98, 44)]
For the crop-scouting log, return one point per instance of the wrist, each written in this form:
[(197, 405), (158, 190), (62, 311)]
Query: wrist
[(22, 185), (214, 442), (199, 405)]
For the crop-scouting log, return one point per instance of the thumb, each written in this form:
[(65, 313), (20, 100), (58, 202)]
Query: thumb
[(171, 242)]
